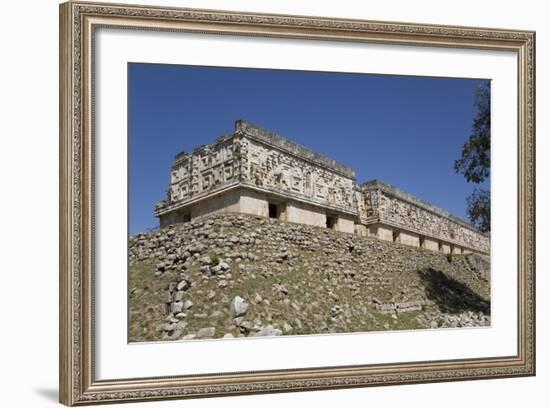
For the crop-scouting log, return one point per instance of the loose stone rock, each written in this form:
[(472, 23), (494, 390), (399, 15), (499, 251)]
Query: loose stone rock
[(238, 307), (268, 330), (207, 332), (177, 307)]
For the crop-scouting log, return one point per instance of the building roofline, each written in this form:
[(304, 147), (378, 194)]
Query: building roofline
[(287, 145), (197, 150), (402, 195)]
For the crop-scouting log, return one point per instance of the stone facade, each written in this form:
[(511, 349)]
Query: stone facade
[(255, 171), (410, 220)]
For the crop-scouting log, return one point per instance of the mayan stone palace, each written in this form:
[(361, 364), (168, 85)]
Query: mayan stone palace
[(255, 171)]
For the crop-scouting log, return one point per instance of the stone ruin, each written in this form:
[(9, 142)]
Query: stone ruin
[(255, 171)]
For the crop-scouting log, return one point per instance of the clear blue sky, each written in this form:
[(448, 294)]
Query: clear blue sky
[(404, 130)]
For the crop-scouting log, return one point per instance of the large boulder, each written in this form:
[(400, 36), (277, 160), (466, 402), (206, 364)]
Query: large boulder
[(238, 307)]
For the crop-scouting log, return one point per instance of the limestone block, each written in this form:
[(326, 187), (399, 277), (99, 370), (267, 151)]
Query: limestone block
[(431, 244), (361, 230), (384, 233), (409, 239), (254, 203), (345, 223), (310, 215)]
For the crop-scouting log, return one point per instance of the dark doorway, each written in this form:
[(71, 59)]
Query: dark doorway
[(395, 236), (183, 217), (331, 221), (273, 210)]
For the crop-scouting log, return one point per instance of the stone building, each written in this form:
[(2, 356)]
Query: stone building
[(255, 171)]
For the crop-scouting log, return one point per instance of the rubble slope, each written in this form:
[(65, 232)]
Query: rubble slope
[(235, 275)]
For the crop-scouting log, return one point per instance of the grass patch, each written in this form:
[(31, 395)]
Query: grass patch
[(146, 301), (214, 258)]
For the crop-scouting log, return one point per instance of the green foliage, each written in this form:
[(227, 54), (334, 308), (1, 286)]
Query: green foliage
[(479, 209), (214, 258), (449, 257), (475, 161)]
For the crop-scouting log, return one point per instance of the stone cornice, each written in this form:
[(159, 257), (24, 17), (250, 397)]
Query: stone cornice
[(243, 184), (400, 227), (199, 197), (288, 146), (302, 198), (418, 202), (197, 150)]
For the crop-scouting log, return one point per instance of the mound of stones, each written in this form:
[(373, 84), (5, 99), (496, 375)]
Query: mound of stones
[(235, 274)]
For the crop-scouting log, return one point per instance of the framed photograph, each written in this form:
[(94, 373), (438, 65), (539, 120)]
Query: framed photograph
[(256, 203)]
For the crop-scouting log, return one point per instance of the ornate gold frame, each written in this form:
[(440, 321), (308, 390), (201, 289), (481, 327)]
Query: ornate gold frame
[(77, 24)]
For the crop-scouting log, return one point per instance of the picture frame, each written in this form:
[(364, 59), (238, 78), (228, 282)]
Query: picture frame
[(79, 22)]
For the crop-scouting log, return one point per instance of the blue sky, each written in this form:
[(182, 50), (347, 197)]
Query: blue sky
[(404, 130)]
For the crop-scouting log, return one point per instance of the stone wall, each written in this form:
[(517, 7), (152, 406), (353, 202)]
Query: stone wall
[(248, 201), (407, 214), (431, 244), (281, 172), (223, 202), (208, 168), (254, 203), (305, 214), (283, 144)]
